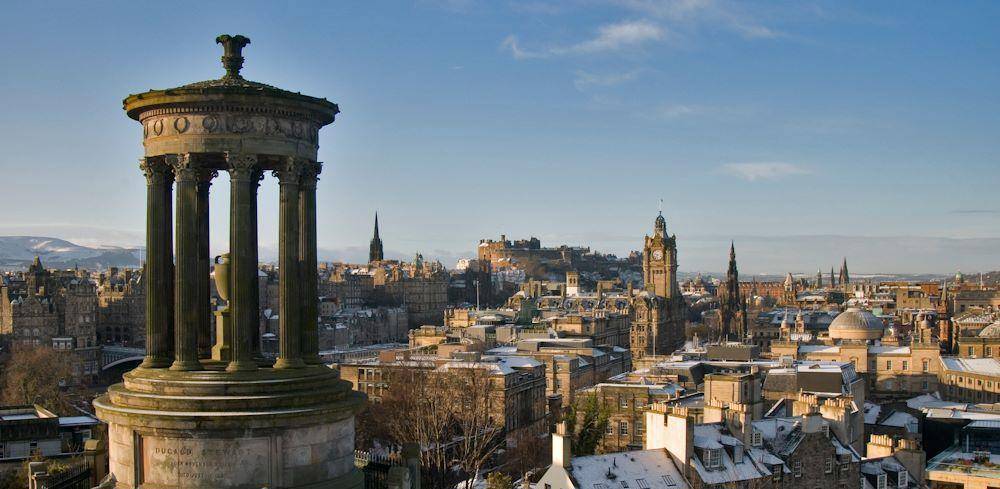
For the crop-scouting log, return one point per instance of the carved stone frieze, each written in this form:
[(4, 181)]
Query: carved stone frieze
[(235, 123)]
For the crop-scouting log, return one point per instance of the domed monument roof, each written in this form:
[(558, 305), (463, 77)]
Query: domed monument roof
[(991, 331), (856, 324), (230, 114)]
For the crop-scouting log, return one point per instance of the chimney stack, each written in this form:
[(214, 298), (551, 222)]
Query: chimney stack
[(562, 443)]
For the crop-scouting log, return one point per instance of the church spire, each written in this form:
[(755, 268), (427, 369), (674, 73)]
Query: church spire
[(375, 248), (845, 278)]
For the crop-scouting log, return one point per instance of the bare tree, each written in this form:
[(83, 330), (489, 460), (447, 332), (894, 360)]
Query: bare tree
[(38, 375), (479, 417), (456, 416)]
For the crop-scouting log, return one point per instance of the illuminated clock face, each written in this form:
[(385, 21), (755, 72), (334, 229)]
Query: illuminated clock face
[(657, 254)]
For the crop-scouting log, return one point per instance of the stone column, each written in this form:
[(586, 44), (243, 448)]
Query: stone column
[(205, 318), (159, 269), (307, 255), (290, 301), (244, 175), (186, 283)]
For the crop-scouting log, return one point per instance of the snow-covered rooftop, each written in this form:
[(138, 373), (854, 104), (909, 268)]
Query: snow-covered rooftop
[(652, 469), (982, 366)]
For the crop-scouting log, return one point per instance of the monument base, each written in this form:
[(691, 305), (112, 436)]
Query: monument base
[(226, 430)]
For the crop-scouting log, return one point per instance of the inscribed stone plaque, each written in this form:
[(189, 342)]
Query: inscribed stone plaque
[(221, 463)]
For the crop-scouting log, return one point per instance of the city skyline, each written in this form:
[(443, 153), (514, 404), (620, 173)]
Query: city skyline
[(535, 244), (755, 124)]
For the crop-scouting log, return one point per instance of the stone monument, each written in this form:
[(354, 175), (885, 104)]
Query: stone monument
[(200, 415)]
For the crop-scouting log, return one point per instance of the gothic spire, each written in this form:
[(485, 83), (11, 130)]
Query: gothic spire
[(375, 248), (732, 260), (732, 307)]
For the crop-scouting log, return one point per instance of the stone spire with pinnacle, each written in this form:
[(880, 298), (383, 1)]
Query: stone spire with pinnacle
[(375, 248), (845, 278), (733, 308)]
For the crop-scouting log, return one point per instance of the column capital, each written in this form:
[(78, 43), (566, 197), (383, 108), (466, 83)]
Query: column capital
[(185, 167), (156, 170), (290, 170), (310, 173), (206, 175), (243, 166)]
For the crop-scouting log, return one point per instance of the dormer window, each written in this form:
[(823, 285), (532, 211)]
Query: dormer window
[(881, 481), (714, 456), (756, 439), (903, 479)]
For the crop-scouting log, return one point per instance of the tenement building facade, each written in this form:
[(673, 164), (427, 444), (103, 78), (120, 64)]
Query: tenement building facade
[(55, 309), (121, 308)]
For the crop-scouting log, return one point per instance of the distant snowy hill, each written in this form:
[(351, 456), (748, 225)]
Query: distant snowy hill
[(19, 251)]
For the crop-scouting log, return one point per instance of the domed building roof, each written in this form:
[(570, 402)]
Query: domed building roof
[(991, 331), (856, 324)]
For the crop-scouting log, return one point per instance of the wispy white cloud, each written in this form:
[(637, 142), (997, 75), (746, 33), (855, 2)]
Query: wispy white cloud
[(608, 38), (976, 211), (702, 13), (752, 172), (676, 111), (511, 44), (538, 8), (584, 80), (455, 6), (613, 37), (833, 124)]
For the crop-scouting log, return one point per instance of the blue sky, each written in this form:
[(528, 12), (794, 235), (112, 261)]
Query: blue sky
[(803, 130)]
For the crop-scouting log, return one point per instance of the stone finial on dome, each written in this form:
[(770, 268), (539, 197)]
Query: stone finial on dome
[(232, 57)]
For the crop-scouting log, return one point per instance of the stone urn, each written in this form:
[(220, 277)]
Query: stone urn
[(222, 276)]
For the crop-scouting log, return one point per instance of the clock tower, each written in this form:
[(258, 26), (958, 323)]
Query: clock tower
[(659, 260), (658, 312)]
